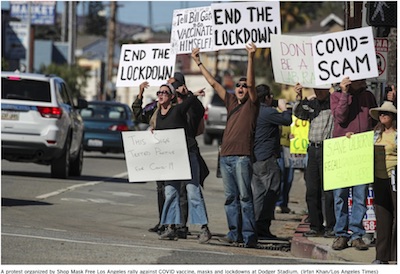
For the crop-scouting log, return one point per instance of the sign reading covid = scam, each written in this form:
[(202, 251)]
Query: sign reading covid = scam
[(192, 28), (153, 63), (342, 54), (156, 156), (237, 24)]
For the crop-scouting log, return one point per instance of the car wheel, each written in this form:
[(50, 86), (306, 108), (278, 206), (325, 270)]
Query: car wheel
[(75, 168), (60, 166), (208, 139)]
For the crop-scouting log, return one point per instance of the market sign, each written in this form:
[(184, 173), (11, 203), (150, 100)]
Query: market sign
[(42, 12)]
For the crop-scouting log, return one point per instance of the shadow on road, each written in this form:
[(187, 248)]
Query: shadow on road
[(18, 202)]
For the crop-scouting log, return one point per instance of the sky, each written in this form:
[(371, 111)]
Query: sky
[(136, 12)]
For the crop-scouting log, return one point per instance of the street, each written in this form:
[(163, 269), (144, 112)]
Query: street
[(101, 218)]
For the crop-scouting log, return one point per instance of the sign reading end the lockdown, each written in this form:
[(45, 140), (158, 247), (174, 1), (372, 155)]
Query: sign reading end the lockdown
[(348, 161), (156, 156), (153, 63)]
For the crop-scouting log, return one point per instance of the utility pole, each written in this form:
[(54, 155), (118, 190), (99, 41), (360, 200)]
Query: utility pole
[(111, 45), (353, 14), (71, 32)]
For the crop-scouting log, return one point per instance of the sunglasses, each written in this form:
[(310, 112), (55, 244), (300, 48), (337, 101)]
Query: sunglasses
[(163, 92), (241, 85), (386, 113)]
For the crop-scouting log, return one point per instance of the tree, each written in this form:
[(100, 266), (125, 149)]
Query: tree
[(95, 23), (75, 76)]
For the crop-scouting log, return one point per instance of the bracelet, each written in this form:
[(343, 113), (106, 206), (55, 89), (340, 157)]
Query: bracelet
[(199, 64)]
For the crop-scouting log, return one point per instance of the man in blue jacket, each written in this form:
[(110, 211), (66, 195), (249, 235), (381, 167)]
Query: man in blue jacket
[(266, 172)]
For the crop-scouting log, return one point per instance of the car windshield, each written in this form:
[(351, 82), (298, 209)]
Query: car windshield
[(95, 111), (23, 89)]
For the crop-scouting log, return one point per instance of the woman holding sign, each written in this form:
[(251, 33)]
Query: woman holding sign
[(172, 116), (385, 184)]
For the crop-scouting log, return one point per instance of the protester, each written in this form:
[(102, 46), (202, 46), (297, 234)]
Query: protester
[(195, 128), (236, 151), (320, 203), (350, 108), (143, 115), (266, 181), (170, 116), (385, 184)]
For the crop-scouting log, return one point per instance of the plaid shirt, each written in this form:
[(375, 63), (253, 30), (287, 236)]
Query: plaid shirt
[(320, 116)]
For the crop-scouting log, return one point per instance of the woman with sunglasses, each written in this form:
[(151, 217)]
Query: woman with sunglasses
[(385, 184), (172, 116)]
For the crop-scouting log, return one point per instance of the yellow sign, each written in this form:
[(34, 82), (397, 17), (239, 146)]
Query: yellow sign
[(299, 129), (348, 161)]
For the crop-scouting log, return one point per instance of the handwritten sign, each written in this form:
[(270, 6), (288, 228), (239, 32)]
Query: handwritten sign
[(292, 60), (153, 63), (294, 160), (192, 28), (347, 53), (237, 24), (161, 155), (299, 129), (348, 161)]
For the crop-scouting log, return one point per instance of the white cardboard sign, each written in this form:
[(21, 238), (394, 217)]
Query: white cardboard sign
[(192, 28), (154, 63), (348, 53), (292, 60), (237, 24), (158, 156)]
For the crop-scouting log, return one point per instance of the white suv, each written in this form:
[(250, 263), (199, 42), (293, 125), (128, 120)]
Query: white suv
[(40, 123)]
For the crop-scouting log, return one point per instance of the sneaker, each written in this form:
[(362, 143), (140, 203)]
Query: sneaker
[(161, 230), (313, 233), (154, 229), (359, 244), (282, 209), (205, 235), (266, 235), (169, 234), (329, 233), (182, 232), (340, 243)]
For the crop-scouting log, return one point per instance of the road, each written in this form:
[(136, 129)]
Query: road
[(101, 218)]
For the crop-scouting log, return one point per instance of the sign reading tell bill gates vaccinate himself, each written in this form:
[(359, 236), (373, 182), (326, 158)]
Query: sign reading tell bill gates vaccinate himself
[(153, 63), (192, 28)]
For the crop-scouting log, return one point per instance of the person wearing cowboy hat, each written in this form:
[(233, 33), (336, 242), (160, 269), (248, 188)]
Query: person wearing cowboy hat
[(385, 186)]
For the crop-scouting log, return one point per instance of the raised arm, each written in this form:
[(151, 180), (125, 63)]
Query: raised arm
[(251, 50), (210, 79)]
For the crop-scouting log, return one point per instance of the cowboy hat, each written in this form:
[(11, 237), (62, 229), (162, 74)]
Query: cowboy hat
[(386, 106)]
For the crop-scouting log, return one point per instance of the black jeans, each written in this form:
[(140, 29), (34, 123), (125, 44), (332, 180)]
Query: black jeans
[(266, 186), (320, 203)]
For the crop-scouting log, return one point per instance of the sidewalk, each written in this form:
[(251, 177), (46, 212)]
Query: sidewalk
[(293, 225)]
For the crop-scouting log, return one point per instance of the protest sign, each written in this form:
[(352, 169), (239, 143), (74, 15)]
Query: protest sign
[(161, 155), (191, 28), (237, 24), (348, 161), (292, 60), (348, 53), (153, 63), (299, 130)]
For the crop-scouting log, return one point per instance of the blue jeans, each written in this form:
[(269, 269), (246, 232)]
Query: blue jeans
[(354, 222), (236, 174), (287, 174), (197, 210)]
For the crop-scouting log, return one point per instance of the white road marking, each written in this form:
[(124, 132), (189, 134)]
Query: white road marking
[(57, 192), (123, 194), (116, 245)]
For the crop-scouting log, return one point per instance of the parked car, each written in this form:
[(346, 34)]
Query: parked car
[(40, 123), (214, 120), (104, 122)]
